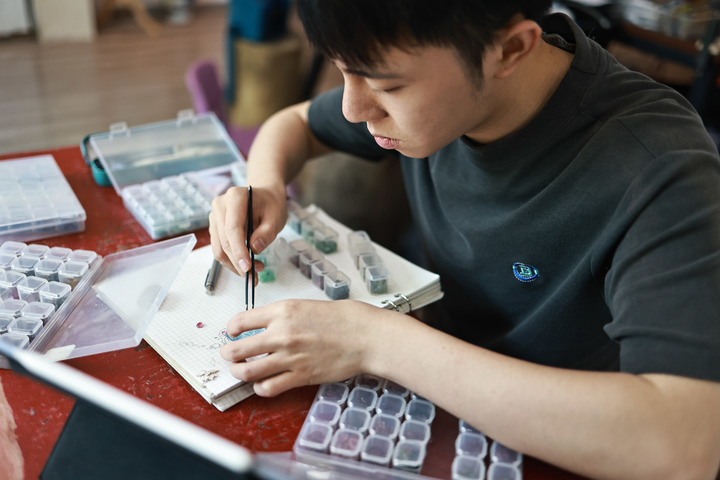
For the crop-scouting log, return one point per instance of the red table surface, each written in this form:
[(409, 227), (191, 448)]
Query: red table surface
[(259, 424)]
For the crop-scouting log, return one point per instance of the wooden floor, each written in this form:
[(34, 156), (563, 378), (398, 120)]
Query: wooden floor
[(52, 95)]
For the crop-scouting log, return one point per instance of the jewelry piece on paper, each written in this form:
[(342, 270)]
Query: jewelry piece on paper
[(220, 340), (200, 325), (208, 375)]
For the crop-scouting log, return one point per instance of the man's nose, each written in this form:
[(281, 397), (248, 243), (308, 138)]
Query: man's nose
[(358, 103)]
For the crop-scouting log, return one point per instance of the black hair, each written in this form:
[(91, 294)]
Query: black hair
[(356, 31)]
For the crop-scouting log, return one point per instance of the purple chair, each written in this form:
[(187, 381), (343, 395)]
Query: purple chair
[(201, 79)]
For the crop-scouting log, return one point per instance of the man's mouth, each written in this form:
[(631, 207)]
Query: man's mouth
[(386, 142)]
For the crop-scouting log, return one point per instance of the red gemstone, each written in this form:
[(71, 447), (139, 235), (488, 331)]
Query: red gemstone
[(200, 325)]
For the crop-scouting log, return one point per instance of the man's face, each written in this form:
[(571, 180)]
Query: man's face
[(417, 102)]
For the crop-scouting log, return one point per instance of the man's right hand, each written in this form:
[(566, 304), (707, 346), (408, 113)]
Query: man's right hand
[(228, 223)]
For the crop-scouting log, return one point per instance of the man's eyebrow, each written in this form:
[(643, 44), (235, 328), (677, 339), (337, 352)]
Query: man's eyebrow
[(370, 74)]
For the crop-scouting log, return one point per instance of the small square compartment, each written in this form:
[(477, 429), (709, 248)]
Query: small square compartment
[(12, 248), (346, 443), (72, 272), (296, 215), (5, 261), (336, 285), (503, 471), (325, 412), (85, 256), (499, 453), (366, 261), (58, 253), (315, 436), (319, 270), (471, 444), (369, 381), (307, 259), (273, 255), (333, 393), (409, 455), (391, 404), (29, 288), (395, 388), (296, 248), (9, 280), (363, 397), (377, 278), (359, 248), (5, 320), (55, 293), (468, 468), (420, 410), (24, 264), (414, 430), (12, 307), (41, 310), (355, 419), (377, 449), (6, 293), (357, 236), (48, 269), (17, 339), (326, 239), (27, 326), (35, 250), (308, 227), (385, 425)]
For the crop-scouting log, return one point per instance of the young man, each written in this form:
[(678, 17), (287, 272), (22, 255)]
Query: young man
[(571, 207)]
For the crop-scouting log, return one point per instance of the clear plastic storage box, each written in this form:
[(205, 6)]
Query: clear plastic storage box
[(679, 19), (367, 427), (370, 427), (106, 307), (36, 200), (168, 173)]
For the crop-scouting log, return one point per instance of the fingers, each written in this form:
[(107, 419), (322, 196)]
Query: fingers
[(273, 220), (262, 371), (236, 201), (303, 342), (228, 220), (227, 229), (259, 267), (276, 385), (216, 242), (244, 321), (257, 369)]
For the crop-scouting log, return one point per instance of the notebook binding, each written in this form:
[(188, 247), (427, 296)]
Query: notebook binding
[(400, 303)]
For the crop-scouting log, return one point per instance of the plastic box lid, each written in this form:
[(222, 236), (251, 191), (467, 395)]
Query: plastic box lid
[(111, 308), (36, 201), (153, 151)]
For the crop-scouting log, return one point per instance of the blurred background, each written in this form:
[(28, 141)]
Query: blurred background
[(69, 68), (73, 67)]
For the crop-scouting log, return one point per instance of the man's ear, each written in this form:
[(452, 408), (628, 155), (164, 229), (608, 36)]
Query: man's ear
[(515, 42)]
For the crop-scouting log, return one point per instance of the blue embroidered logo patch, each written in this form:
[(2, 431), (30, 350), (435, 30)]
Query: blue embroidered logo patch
[(525, 272)]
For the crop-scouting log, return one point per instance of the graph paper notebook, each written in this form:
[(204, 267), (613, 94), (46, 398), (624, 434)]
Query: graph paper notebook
[(189, 328)]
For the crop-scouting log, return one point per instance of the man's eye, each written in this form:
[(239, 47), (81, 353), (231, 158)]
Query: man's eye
[(391, 89)]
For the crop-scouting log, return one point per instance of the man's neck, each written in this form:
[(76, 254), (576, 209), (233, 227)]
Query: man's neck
[(523, 94)]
